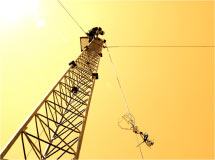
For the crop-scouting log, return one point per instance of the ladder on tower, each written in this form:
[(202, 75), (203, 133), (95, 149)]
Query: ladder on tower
[(56, 127)]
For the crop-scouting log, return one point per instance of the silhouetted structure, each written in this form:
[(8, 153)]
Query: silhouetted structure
[(56, 127)]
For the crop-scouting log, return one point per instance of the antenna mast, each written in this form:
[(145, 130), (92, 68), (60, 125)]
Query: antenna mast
[(55, 129)]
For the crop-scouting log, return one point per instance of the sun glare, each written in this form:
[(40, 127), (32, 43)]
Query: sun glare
[(14, 10), (40, 23)]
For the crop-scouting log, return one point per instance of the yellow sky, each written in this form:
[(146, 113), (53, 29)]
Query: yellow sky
[(169, 90)]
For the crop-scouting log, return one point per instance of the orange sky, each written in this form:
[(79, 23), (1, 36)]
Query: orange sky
[(169, 90)]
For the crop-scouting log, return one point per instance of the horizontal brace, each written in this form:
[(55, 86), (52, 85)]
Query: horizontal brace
[(86, 66), (80, 82), (59, 94), (83, 62), (50, 154), (60, 133), (78, 114), (84, 93), (57, 123), (78, 75), (48, 143)]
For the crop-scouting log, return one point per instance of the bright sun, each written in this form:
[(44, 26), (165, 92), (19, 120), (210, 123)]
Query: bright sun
[(13, 10)]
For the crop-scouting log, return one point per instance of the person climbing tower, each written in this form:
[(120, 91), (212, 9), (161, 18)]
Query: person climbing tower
[(94, 32)]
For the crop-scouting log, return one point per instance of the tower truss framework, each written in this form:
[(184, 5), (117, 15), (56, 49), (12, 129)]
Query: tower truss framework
[(56, 127)]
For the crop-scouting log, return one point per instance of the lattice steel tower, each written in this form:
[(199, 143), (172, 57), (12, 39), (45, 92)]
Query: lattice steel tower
[(56, 127)]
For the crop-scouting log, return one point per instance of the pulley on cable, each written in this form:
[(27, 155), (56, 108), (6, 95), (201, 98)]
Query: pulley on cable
[(129, 120)]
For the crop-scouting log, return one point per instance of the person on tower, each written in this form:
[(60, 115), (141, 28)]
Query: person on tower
[(94, 32)]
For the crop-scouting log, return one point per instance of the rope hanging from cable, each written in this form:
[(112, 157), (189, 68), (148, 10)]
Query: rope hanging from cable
[(129, 118)]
